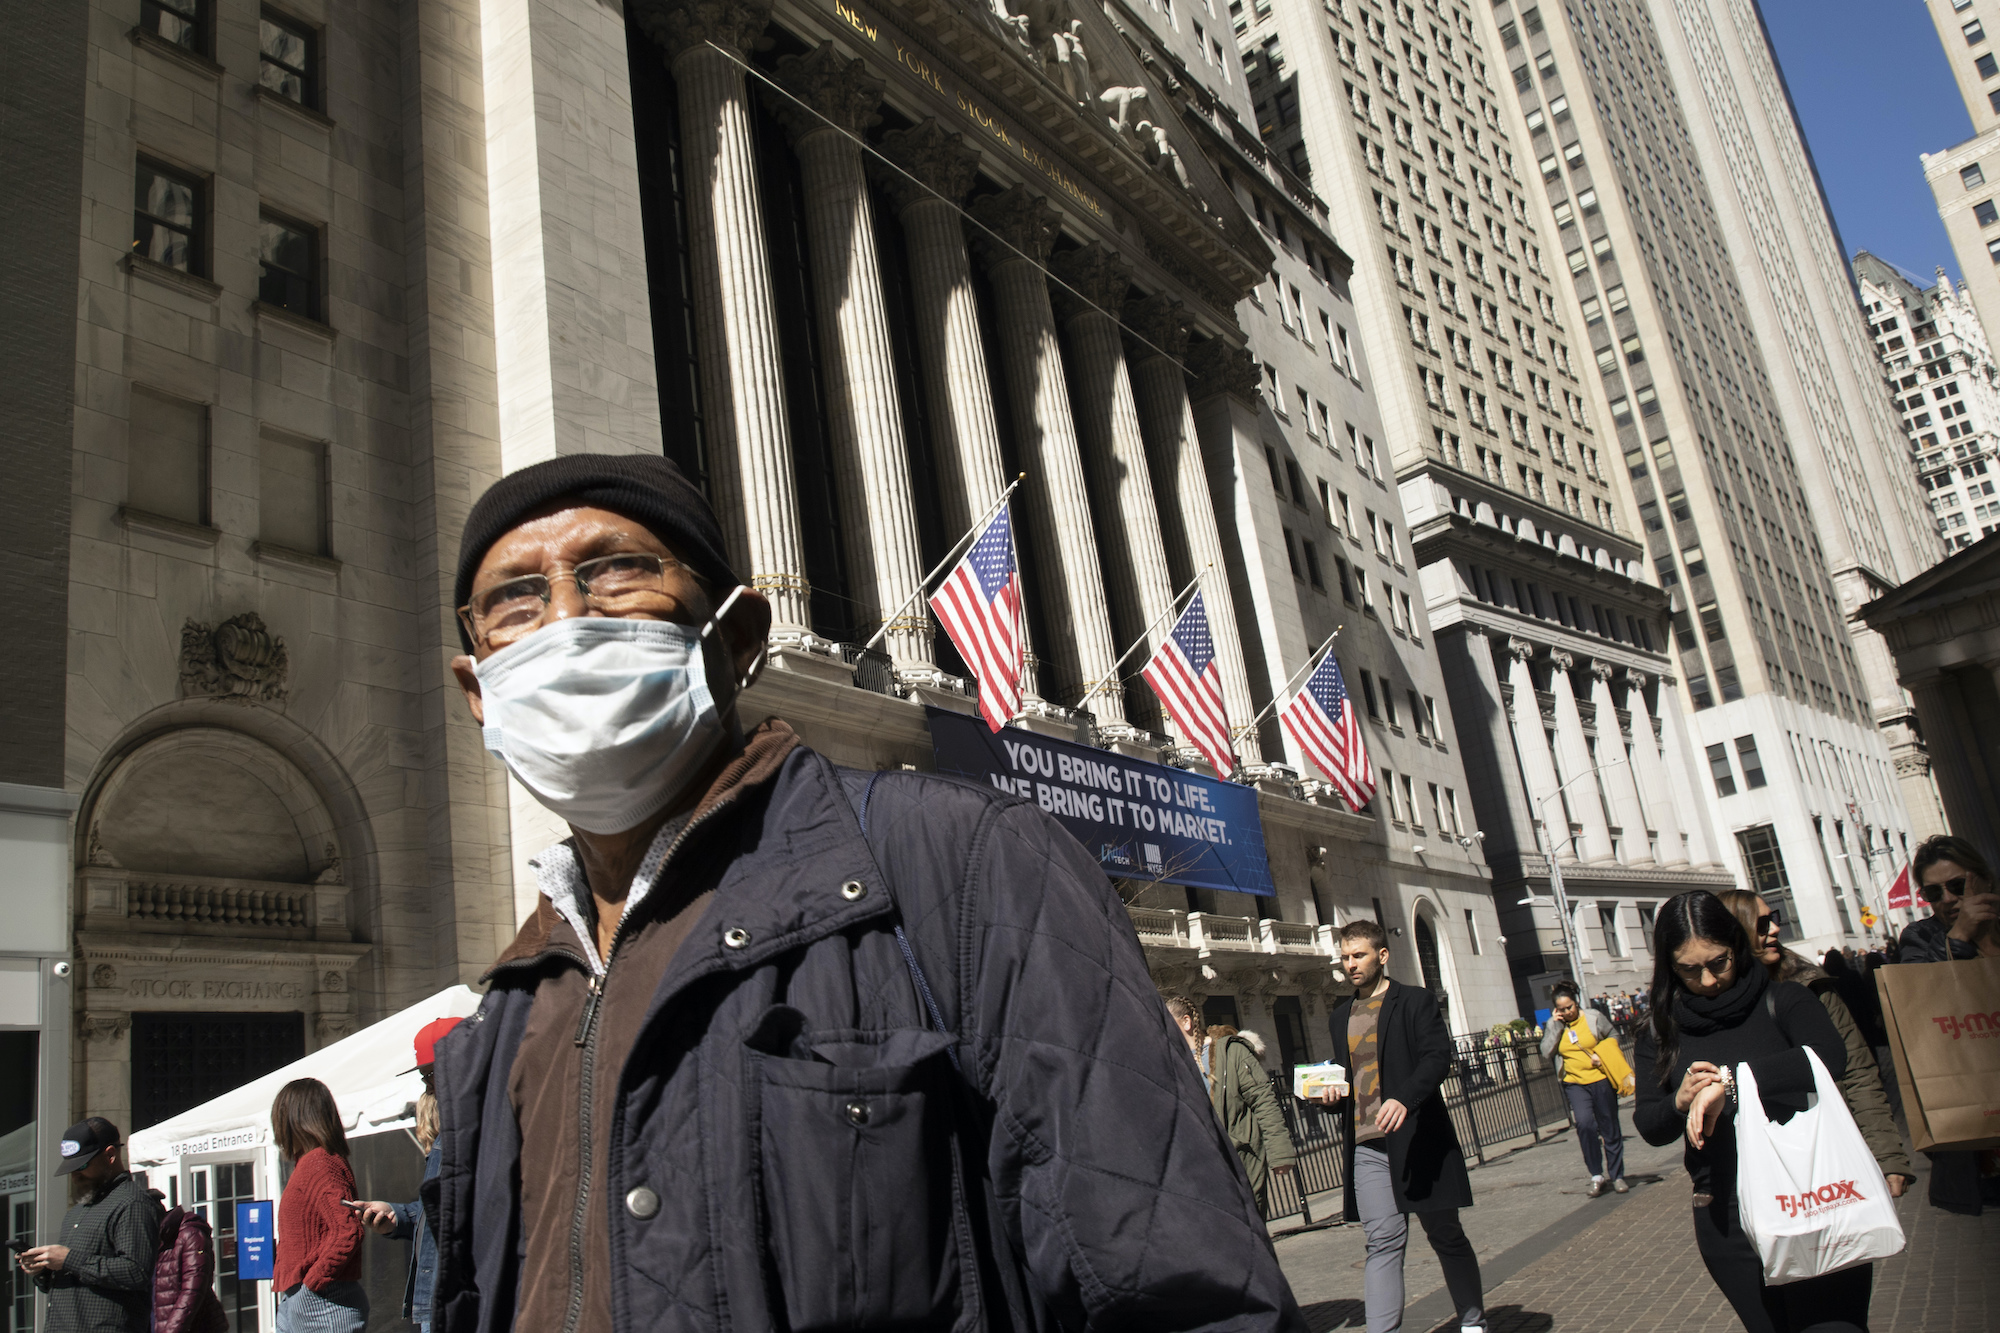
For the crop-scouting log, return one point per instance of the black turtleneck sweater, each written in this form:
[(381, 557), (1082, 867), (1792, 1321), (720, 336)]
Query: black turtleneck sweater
[(1727, 1030)]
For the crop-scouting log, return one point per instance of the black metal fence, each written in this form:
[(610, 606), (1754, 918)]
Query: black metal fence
[(1497, 1093)]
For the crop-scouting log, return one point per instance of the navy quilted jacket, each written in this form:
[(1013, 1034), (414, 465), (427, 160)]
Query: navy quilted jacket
[(819, 1162)]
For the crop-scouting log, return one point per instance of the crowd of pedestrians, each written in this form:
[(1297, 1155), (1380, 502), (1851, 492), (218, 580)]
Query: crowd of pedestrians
[(789, 1046)]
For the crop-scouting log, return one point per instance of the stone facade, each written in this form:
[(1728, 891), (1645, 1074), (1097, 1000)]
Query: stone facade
[(854, 267)]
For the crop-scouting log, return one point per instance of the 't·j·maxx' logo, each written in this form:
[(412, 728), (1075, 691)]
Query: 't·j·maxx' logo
[(1815, 1200), (1973, 1025)]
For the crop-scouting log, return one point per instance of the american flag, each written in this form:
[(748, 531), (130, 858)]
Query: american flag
[(1321, 719), (1184, 674), (979, 605)]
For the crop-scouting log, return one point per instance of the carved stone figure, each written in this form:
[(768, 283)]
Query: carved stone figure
[(238, 659), (331, 873), (1161, 153), (1120, 101), (1015, 25)]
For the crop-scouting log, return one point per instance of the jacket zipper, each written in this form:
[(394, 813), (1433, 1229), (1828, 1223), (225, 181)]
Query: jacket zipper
[(586, 1038)]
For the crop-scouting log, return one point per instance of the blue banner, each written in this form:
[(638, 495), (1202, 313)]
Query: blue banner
[(256, 1255), (1141, 820)]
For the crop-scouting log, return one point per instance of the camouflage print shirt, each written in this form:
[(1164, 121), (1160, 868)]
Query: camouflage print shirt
[(1365, 1072)]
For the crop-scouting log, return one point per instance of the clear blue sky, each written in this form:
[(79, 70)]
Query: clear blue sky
[(1873, 91)]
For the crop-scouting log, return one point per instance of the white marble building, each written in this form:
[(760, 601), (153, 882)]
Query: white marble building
[(853, 265)]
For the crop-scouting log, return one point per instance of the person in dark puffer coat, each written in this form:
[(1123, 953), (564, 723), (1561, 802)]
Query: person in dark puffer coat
[(184, 1299), (798, 1047)]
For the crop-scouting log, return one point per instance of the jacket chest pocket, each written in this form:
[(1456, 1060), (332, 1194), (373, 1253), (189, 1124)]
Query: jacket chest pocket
[(855, 1171)]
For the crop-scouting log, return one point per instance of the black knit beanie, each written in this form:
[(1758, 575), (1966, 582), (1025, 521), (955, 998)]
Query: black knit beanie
[(645, 487)]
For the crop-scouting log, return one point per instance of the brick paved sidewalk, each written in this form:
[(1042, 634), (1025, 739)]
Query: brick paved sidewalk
[(1636, 1269)]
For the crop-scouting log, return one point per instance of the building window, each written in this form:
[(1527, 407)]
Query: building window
[(1389, 708), (1972, 177), (1718, 768), (1753, 767), (1993, 100), (292, 494), (1614, 939), (1431, 716), (1472, 930), (289, 255), (1292, 555), (1648, 914), (1985, 211), (181, 22), (287, 59), (167, 215), (1768, 879), (1346, 584), (166, 471), (1389, 790), (1410, 802), (1368, 694), (1974, 32), (1312, 564), (1987, 66)]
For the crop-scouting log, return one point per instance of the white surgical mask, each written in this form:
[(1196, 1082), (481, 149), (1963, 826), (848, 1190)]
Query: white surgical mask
[(604, 721)]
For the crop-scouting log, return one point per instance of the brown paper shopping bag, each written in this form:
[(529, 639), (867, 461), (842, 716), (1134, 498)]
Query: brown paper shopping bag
[(1944, 1031)]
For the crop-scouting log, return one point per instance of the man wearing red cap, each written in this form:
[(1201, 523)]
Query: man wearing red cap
[(407, 1221)]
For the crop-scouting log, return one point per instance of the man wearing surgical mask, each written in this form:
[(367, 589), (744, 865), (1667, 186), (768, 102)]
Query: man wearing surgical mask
[(786, 1045)]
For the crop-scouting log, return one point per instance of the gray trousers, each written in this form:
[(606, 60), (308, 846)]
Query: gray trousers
[(1388, 1232)]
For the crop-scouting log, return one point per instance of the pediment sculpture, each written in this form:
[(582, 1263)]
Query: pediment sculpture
[(238, 659)]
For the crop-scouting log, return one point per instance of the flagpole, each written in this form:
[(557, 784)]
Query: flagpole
[(1311, 657), (950, 558), (1140, 641)]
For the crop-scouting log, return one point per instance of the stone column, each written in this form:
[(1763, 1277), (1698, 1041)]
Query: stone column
[(1620, 778), (1965, 773), (1088, 289), (1225, 399), (1187, 522), (1532, 742), (936, 170), (1058, 502), (756, 493), (1576, 766), (871, 459), (1655, 787), (1689, 779)]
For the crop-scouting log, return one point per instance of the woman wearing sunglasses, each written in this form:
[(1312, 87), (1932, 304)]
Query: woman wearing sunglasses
[(1955, 880), (1861, 1086), (1715, 1007)]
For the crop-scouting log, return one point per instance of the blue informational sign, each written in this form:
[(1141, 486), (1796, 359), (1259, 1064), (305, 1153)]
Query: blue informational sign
[(256, 1252), (1141, 820)]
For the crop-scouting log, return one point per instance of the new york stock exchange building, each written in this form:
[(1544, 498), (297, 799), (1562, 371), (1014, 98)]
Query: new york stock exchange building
[(857, 266)]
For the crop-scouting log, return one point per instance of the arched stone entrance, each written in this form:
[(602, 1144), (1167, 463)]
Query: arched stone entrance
[(217, 905)]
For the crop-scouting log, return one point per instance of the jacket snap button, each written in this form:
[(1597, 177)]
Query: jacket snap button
[(857, 1113), (736, 937), (642, 1203), (854, 890)]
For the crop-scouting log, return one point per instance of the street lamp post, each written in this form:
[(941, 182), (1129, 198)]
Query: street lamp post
[(1556, 891)]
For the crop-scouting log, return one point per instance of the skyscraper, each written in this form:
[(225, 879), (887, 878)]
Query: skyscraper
[(1965, 178), (1767, 467), (1553, 632)]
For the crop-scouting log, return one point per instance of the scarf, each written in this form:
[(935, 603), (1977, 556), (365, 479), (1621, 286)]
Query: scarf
[(1702, 1014)]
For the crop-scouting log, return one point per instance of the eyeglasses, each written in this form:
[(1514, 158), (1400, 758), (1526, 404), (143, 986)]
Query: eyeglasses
[(614, 584), (1769, 922), (1719, 968), (1934, 892)]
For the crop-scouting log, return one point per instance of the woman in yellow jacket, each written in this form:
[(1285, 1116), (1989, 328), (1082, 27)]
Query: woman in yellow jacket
[(1594, 1073)]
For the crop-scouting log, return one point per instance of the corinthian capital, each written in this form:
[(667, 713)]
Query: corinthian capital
[(838, 92), (1219, 367), (1023, 222), (1160, 323), (679, 26), (934, 156), (1091, 280)]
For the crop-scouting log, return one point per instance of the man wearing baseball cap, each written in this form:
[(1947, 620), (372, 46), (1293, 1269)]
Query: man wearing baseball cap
[(407, 1221), (99, 1278), (787, 1045)]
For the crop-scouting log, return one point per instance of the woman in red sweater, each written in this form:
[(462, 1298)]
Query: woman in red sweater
[(318, 1270)]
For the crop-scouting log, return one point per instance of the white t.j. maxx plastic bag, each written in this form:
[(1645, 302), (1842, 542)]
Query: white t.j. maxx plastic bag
[(1809, 1192)]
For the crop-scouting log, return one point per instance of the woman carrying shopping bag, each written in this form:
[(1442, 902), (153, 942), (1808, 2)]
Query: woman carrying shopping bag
[(318, 1269), (1714, 1008), (1862, 1085)]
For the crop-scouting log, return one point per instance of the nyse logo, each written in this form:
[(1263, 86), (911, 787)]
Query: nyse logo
[(1974, 1025), (1815, 1200)]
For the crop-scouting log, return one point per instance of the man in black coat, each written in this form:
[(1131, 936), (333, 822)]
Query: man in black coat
[(1402, 1154), (784, 1045)]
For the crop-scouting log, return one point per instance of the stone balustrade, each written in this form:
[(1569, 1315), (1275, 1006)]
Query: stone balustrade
[(213, 905)]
